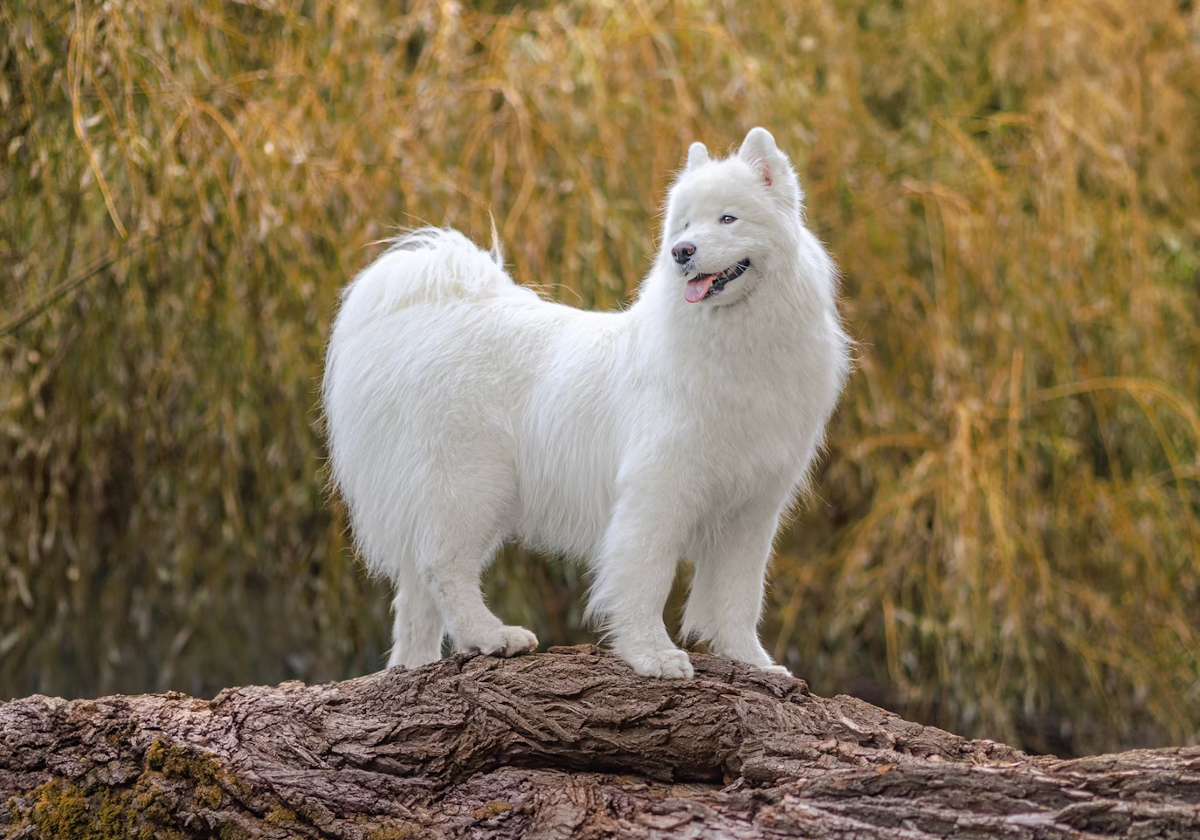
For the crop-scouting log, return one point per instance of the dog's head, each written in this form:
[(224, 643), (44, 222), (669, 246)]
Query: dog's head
[(726, 218)]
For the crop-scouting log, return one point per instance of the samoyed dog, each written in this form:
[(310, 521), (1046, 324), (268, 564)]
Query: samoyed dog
[(464, 410)]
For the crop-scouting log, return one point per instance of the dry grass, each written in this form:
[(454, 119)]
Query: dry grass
[(1006, 539)]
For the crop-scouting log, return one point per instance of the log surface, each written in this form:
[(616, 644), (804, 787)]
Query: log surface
[(568, 743)]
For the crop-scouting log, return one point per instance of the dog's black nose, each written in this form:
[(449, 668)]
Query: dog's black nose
[(683, 252)]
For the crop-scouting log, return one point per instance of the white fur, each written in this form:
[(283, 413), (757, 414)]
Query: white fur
[(463, 410)]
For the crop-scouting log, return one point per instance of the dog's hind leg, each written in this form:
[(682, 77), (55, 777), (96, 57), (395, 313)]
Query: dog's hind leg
[(417, 625), (462, 529), (452, 573)]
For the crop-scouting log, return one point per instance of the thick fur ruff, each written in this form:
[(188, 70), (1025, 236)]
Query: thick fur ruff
[(463, 410)]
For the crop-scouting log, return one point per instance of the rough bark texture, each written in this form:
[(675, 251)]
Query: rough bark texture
[(568, 743)]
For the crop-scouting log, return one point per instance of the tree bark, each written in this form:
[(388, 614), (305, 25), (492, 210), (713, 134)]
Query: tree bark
[(568, 743)]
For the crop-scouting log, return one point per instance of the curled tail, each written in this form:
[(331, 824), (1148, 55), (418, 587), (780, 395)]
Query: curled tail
[(427, 265)]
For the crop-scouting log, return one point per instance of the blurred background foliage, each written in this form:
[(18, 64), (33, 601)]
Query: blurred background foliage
[(1005, 535)]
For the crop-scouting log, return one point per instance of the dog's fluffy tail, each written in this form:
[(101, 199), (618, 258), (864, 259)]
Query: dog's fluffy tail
[(428, 265)]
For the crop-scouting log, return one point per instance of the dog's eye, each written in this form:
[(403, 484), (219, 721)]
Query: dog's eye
[(728, 220)]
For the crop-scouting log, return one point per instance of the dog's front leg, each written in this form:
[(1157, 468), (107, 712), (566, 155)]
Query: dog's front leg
[(633, 577), (725, 603)]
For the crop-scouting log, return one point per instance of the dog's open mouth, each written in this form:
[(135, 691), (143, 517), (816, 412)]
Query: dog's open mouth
[(708, 285)]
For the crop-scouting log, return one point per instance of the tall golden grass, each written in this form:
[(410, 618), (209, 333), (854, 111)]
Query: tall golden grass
[(1005, 534)]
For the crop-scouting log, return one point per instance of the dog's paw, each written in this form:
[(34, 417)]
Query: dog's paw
[(505, 641), (669, 664), (745, 647), (775, 669)]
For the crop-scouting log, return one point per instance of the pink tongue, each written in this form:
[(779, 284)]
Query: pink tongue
[(698, 288)]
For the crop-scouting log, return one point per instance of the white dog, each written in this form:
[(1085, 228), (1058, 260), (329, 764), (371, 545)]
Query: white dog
[(463, 410)]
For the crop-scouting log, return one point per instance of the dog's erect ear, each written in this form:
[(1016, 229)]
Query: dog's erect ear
[(697, 155), (759, 150)]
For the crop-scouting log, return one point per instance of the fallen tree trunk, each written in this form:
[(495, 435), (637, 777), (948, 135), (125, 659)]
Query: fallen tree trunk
[(568, 743)]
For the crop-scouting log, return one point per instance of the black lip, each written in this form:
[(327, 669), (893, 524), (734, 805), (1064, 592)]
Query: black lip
[(731, 273)]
